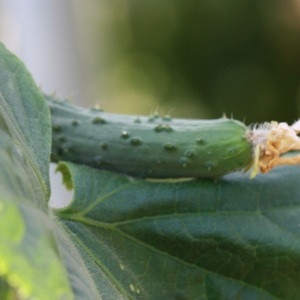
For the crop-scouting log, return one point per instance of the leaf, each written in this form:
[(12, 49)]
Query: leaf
[(30, 260), (232, 239), (24, 117)]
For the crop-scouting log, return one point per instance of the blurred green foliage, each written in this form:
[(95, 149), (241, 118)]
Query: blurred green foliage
[(201, 57)]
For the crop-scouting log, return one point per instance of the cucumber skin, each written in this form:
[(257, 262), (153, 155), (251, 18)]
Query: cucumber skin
[(148, 147)]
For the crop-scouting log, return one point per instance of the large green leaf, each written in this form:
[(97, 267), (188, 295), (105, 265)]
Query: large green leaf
[(30, 261), (232, 239)]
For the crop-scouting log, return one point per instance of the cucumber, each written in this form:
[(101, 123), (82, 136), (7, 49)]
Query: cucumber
[(148, 147)]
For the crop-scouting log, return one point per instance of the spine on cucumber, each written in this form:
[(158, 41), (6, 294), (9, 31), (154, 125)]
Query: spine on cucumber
[(151, 147)]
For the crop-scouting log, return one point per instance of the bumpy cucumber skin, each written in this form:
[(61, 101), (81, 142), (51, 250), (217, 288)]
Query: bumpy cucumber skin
[(151, 147)]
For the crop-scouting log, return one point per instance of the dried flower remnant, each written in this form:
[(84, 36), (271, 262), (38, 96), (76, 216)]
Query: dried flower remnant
[(270, 141)]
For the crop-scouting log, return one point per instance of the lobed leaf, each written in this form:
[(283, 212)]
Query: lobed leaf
[(232, 239)]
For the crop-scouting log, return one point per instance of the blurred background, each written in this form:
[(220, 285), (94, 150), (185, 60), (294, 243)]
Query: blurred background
[(194, 58)]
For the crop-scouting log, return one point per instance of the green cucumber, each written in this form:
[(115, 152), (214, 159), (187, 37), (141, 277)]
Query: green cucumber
[(148, 147)]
